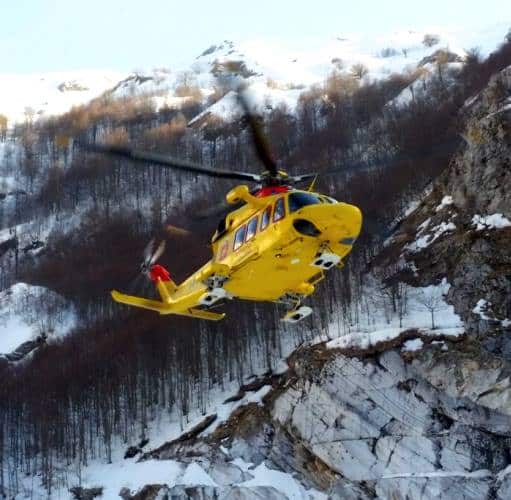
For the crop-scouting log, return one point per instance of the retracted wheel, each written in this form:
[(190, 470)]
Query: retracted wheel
[(213, 296), (326, 260), (296, 315)]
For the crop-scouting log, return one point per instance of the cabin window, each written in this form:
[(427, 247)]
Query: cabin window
[(239, 237), (300, 200), (280, 210), (251, 228), (265, 218)]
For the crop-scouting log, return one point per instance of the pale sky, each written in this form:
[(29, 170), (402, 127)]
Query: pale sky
[(53, 35)]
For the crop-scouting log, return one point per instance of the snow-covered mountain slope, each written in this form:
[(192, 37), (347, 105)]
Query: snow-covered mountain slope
[(425, 77), (34, 96), (382, 54), (277, 71)]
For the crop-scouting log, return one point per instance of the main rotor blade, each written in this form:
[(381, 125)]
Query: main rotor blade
[(297, 179), (219, 210), (169, 162), (447, 147), (260, 143)]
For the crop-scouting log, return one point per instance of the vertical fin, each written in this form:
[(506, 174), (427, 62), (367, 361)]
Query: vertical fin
[(161, 278), (163, 291)]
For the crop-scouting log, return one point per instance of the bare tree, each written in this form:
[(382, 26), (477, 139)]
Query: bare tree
[(3, 127), (442, 60), (431, 299), (29, 113), (401, 301), (430, 40), (359, 70)]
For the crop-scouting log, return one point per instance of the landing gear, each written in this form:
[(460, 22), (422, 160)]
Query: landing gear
[(326, 260), (215, 281), (215, 292), (297, 314), (213, 296)]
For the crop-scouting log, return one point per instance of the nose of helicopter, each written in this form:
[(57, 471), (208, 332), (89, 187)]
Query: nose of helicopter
[(339, 222)]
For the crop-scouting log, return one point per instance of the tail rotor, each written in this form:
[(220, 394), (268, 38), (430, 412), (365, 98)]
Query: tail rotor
[(151, 255), (141, 283)]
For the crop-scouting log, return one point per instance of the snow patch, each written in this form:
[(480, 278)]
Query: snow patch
[(195, 475), (503, 473), (226, 108), (494, 221), (283, 482), (28, 311), (482, 308), (413, 345), (446, 201), (424, 241), (422, 304), (482, 473)]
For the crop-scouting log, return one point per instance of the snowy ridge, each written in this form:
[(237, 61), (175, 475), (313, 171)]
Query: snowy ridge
[(282, 70)]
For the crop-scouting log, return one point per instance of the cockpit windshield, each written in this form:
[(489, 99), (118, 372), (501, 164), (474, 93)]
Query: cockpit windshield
[(302, 199)]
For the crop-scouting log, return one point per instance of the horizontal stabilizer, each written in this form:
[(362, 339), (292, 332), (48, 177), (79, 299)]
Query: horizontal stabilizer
[(163, 308), (199, 313), (131, 300)]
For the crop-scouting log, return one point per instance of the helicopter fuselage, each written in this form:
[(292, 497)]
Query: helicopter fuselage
[(275, 248)]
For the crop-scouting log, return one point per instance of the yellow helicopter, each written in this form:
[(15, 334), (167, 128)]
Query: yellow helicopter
[(275, 247)]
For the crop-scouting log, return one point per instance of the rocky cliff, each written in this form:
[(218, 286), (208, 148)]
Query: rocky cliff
[(462, 229)]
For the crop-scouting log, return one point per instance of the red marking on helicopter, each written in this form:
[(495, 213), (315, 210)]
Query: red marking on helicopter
[(223, 250), (159, 273), (271, 190)]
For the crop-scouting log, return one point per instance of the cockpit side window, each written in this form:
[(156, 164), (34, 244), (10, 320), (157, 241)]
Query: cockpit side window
[(265, 218), (280, 210), (221, 226), (300, 200), (239, 237), (251, 228)]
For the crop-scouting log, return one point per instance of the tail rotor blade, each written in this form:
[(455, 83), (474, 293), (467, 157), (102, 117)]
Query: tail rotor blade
[(159, 251), (148, 252), (135, 285)]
